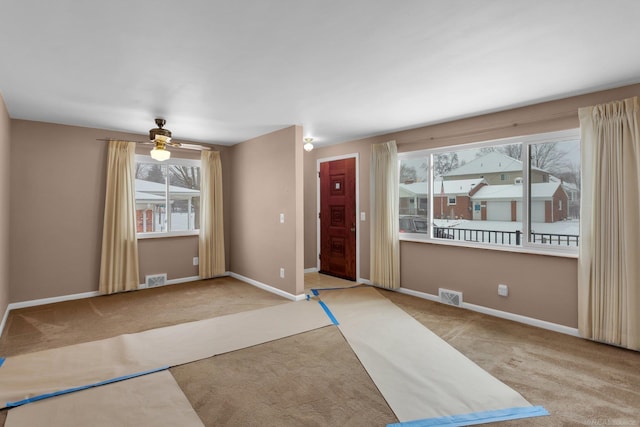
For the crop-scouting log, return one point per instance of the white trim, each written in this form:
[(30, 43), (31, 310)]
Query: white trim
[(310, 270), (358, 221), (365, 281), (543, 324), (269, 288), (42, 301)]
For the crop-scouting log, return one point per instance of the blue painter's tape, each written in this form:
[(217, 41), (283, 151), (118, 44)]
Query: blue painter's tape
[(477, 418), (316, 291), (84, 387), (2, 359), (329, 313)]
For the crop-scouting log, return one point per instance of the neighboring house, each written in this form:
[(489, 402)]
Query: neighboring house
[(549, 202), (151, 212), (497, 169), (451, 199), (414, 198)]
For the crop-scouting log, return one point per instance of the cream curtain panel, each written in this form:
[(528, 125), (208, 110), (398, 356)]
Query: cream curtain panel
[(609, 267), (119, 260), (385, 247), (211, 246)]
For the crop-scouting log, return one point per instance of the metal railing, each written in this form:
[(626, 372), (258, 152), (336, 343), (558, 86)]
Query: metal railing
[(503, 237)]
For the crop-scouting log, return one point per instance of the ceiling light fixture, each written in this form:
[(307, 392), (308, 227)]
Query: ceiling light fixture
[(308, 146), (160, 137)]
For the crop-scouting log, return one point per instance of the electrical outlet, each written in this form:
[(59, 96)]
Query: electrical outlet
[(281, 218), (282, 273), (196, 260), (503, 290)]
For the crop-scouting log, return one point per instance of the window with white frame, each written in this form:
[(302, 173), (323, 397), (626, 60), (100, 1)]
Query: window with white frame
[(516, 192), (167, 196)]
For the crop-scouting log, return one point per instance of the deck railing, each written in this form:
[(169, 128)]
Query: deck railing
[(503, 237)]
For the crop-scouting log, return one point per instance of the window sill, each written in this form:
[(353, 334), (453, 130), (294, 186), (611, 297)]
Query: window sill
[(143, 236), (557, 252)]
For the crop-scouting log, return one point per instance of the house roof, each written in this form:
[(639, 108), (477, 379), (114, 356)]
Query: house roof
[(493, 162), (455, 187), (543, 190), (158, 188), (489, 163)]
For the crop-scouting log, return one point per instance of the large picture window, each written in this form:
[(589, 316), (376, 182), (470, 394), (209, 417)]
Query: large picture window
[(517, 192), (167, 196)]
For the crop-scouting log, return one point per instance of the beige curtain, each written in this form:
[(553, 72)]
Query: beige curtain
[(119, 260), (609, 267), (385, 247), (211, 254)]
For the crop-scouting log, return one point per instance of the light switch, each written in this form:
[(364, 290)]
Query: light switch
[(363, 216), (281, 218)]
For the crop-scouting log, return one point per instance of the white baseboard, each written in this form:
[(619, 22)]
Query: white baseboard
[(310, 270), (33, 303), (43, 301), (269, 288), (501, 314), (365, 282)]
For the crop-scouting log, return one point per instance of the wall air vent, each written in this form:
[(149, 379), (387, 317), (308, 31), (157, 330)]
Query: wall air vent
[(155, 280), (450, 297)]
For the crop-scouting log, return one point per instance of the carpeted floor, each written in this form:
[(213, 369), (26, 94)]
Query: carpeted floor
[(314, 379)]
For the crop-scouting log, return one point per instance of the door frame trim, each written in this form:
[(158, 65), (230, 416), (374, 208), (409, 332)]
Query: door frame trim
[(318, 242)]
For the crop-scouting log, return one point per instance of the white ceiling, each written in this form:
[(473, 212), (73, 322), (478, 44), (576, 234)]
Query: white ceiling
[(226, 71)]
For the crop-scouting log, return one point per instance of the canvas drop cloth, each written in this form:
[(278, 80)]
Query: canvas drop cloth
[(150, 400), (424, 380), (27, 376)]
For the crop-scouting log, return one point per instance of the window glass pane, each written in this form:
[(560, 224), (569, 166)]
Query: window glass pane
[(184, 197), (477, 193), (414, 196), (175, 184), (554, 194), (151, 213)]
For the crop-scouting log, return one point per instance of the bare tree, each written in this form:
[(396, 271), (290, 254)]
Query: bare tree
[(407, 173), (185, 176), (445, 162)]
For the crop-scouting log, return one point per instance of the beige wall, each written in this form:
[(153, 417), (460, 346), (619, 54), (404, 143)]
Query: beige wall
[(542, 287), (57, 202), (5, 161), (267, 180)]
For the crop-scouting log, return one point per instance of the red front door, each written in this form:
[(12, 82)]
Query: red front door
[(338, 218)]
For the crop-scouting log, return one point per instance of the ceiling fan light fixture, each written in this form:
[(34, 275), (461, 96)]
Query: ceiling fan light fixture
[(161, 137), (160, 153), (308, 146)]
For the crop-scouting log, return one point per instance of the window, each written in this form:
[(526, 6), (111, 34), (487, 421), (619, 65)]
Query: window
[(167, 196), (513, 193)]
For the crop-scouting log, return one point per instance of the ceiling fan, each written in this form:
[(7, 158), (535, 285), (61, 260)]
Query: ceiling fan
[(161, 138)]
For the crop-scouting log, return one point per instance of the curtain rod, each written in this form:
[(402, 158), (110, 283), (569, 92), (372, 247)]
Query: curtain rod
[(183, 146)]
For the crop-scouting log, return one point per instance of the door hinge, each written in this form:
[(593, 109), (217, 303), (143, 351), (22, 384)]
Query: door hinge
[(318, 174), (318, 215), (319, 256)]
